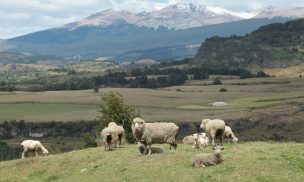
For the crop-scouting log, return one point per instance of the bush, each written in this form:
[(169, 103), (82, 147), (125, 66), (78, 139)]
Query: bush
[(89, 141), (113, 109), (261, 74), (217, 81), (223, 90)]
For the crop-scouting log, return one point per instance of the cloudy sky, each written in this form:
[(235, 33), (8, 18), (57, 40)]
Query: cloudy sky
[(18, 17)]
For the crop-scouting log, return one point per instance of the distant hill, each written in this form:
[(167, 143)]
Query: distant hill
[(120, 39), (27, 58), (271, 46)]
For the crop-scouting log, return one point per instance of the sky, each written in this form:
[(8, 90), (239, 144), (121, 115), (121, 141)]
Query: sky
[(19, 17)]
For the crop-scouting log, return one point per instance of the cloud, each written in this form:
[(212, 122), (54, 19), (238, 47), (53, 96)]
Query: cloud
[(19, 17)]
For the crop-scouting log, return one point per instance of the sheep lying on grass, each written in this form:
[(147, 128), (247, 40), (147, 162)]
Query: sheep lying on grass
[(230, 135), (119, 130), (33, 146), (188, 140), (214, 128), (200, 139), (150, 133), (154, 150), (109, 137), (203, 160)]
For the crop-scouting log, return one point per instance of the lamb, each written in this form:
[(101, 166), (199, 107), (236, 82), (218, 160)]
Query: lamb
[(119, 130), (150, 133), (230, 135), (214, 128), (200, 139), (203, 160), (33, 146), (109, 137), (154, 150)]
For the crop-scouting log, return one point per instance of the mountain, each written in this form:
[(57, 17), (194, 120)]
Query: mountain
[(169, 33), (271, 46), (270, 12), (90, 42), (177, 16)]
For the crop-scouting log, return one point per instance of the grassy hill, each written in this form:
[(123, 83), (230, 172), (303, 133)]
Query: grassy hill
[(271, 46), (254, 161)]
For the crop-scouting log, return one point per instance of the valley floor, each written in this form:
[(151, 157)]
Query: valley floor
[(253, 161)]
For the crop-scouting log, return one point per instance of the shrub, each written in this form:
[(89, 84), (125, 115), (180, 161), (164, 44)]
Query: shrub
[(223, 90), (113, 109), (217, 81), (261, 74), (89, 141)]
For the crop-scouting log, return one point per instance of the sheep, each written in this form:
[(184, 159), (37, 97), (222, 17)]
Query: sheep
[(150, 133), (33, 146), (230, 135), (154, 150), (214, 128), (203, 160), (200, 139), (109, 137), (119, 130), (188, 140)]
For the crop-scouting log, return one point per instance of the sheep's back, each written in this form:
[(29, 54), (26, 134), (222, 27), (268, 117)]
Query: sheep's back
[(215, 124), (160, 132)]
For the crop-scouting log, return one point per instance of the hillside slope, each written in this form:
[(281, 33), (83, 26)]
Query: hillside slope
[(275, 45), (255, 161)]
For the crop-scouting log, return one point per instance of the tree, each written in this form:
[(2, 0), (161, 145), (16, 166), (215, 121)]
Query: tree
[(113, 109)]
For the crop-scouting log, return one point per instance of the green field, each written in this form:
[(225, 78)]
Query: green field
[(254, 161), (41, 111), (189, 102)]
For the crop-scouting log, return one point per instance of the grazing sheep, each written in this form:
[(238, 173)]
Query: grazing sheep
[(203, 160), (154, 150), (214, 128), (200, 139), (119, 130), (230, 135), (109, 137), (150, 133), (188, 140), (33, 146)]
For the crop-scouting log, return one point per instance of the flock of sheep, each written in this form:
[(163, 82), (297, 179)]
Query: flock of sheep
[(159, 133)]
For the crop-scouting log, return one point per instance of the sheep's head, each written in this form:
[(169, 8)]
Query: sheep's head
[(235, 140), (204, 122), (138, 123), (111, 124), (217, 150)]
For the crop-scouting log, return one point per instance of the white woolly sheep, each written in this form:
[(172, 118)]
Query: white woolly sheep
[(200, 139), (203, 160), (214, 128), (154, 150), (109, 137), (150, 133), (230, 135), (33, 146), (119, 130)]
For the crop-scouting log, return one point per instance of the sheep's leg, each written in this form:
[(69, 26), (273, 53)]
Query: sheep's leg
[(149, 148), (36, 152), (222, 137), (23, 155), (213, 135), (174, 146)]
